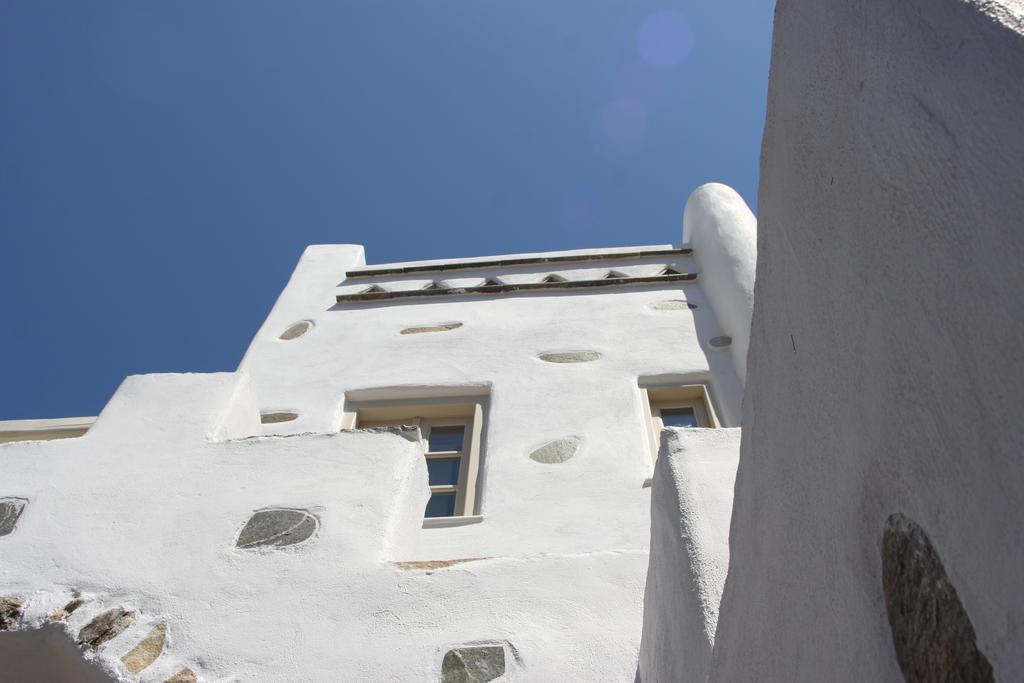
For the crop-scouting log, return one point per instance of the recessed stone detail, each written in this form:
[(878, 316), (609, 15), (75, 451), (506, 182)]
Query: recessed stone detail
[(570, 356), (186, 675), (10, 511), (555, 452), (720, 343), (436, 564), (474, 664), (10, 613), (273, 417), (146, 652), (297, 330), (931, 631), (672, 305), (107, 625), (443, 327), (277, 527), (66, 611)]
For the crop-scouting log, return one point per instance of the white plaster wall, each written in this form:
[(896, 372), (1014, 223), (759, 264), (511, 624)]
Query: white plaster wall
[(720, 227), (596, 500), (143, 511), (147, 519), (691, 505), (885, 364)]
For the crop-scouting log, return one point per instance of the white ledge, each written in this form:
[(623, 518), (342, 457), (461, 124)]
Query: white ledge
[(442, 522)]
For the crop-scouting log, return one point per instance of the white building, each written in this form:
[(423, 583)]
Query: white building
[(287, 521)]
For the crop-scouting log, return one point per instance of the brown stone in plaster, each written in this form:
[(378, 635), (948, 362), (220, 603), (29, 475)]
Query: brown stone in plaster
[(443, 327), (436, 564), (66, 610), (146, 652), (186, 675)]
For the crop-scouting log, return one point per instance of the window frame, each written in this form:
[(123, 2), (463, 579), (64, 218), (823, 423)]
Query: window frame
[(658, 398), (427, 414)]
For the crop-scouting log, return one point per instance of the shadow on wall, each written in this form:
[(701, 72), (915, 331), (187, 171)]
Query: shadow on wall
[(46, 654)]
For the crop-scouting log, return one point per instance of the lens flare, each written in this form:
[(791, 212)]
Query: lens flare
[(664, 39)]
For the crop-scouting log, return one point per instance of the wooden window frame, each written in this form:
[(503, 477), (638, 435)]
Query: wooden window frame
[(427, 414), (658, 398)]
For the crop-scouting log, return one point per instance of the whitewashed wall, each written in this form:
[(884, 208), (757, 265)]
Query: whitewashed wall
[(885, 362), (144, 510)]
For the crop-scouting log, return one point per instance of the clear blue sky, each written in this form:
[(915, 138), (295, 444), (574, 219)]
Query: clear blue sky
[(163, 164)]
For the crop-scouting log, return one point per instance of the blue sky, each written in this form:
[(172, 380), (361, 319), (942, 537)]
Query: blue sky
[(163, 164)]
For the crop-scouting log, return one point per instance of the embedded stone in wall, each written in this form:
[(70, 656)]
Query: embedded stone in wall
[(570, 356), (932, 634), (672, 305), (107, 625), (186, 675), (296, 330), (555, 452), (146, 652), (65, 611), (10, 511), (443, 327), (436, 564), (473, 664), (721, 342), (276, 527), (277, 416), (10, 613)]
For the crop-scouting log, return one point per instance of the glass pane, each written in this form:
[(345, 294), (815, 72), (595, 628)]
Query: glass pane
[(678, 417), (445, 439), (444, 472), (440, 505)]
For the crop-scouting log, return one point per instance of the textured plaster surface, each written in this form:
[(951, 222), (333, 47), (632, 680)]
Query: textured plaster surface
[(690, 510), (885, 365), (592, 502), (144, 511), (723, 233)]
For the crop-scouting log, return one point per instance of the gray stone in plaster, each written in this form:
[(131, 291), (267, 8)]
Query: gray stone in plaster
[(672, 305), (555, 452), (277, 416), (443, 327), (720, 343), (296, 330), (473, 664), (277, 527), (570, 357), (932, 634), (10, 511), (10, 613), (105, 626), (861, 344)]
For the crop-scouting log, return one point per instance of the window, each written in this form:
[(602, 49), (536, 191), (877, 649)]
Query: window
[(451, 444), (679, 406)]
